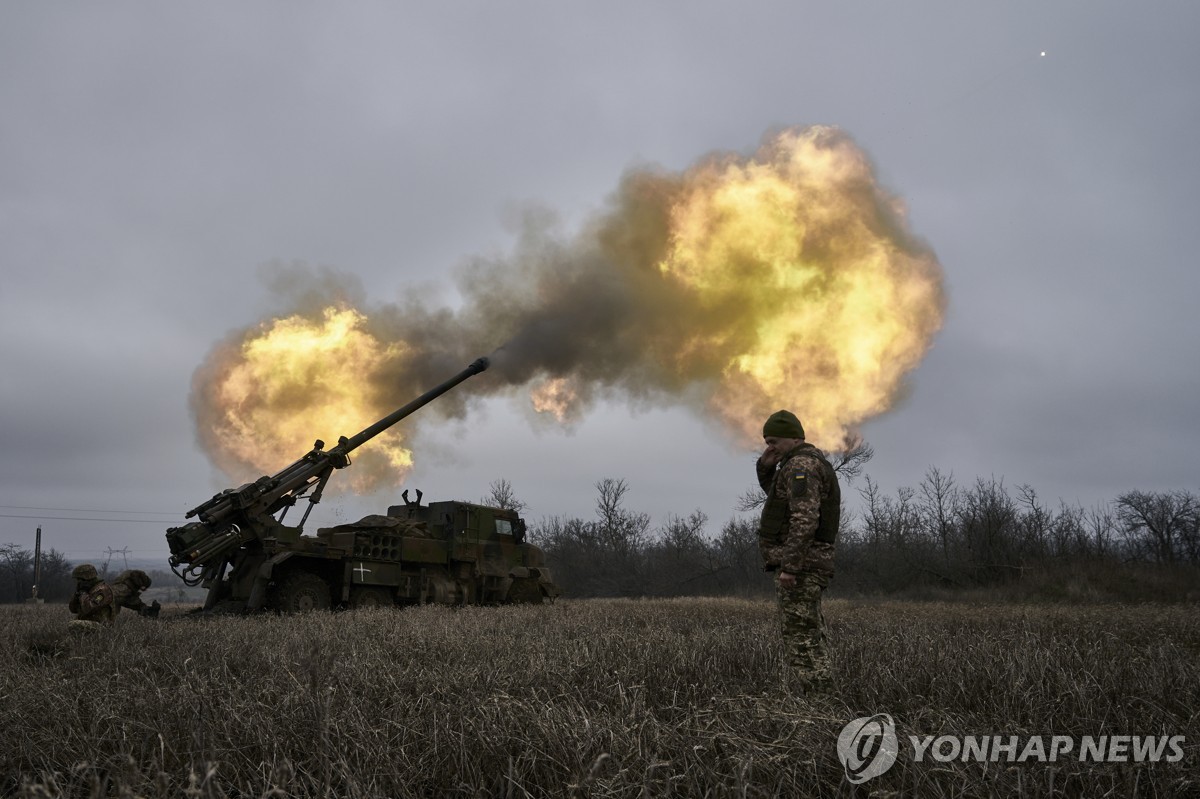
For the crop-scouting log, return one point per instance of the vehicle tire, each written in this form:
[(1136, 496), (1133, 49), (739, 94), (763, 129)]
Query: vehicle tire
[(301, 592), (371, 597), (525, 591)]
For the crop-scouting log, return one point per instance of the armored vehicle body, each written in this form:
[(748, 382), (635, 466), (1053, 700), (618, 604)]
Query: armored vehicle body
[(446, 552), (452, 553)]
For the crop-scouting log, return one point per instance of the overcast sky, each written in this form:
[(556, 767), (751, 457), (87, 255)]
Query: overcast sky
[(154, 156)]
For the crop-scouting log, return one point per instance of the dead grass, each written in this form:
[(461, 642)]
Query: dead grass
[(583, 698)]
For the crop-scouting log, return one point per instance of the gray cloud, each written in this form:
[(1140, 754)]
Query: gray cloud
[(152, 159)]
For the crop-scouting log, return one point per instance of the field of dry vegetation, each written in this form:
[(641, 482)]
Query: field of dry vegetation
[(587, 698)]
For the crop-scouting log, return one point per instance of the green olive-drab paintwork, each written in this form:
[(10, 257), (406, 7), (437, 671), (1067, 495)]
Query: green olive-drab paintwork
[(445, 552)]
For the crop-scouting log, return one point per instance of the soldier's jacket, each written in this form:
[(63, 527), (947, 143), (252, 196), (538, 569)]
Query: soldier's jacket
[(127, 596), (93, 603), (127, 592), (801, 515)]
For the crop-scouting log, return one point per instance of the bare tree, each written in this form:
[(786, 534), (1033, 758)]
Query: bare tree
[(682, 560), (1161, 526), (849, 462), (573, 553), (501, 495), (750, 500), (622, 531), (1034, 521), (16, 573), (737, 549), (939, 495), (685, 535), (988, 518), (605, 557), (1100, 528)]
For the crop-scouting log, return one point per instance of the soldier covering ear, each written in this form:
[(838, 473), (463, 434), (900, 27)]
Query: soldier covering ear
[(93, 598), (796, 536)]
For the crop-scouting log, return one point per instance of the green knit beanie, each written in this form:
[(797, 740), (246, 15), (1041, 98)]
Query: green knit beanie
[(783, 424)]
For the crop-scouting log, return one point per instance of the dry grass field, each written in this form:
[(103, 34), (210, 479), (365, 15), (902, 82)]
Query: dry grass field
[(582, 698)]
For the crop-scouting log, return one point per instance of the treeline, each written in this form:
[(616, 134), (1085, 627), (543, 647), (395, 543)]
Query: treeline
[(17, 575), (942, 535), (618, 554), (939, 538), (57, 585)]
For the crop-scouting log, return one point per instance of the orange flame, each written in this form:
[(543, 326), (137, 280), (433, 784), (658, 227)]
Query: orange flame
[(294, 379), (835, 308), (557, 397), (787, 279)]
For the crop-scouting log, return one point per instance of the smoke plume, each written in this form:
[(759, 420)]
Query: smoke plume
[(785, 279)]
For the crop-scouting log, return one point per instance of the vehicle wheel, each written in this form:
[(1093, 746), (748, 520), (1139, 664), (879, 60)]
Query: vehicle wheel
[(525, 591), (301, 592), (364, 597)]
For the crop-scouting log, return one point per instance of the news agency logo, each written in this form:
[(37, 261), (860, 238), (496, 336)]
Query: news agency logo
[(867, 747)]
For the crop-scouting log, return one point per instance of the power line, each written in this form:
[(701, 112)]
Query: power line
[(90, 552), (89, 519), (139, 555), (84, 510)]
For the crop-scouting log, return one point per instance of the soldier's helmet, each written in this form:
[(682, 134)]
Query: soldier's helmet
[(135, 578), (84, 572)]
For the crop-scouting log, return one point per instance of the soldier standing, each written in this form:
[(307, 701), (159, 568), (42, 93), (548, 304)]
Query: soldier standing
[(93, 600), (796, 538)]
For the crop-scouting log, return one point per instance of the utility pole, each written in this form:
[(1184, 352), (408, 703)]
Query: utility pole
[(37, 568)]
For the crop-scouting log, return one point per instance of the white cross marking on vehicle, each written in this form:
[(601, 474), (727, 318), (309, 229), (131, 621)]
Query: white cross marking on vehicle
[(362, 571)]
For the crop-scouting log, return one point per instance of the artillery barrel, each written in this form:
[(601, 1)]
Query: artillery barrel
[(345, 446)]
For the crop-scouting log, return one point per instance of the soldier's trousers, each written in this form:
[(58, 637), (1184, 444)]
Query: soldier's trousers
[(805, 644)]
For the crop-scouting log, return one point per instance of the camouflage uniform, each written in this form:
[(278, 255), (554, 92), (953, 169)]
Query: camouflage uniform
[(127, 592), (93, 600), (796, 534)]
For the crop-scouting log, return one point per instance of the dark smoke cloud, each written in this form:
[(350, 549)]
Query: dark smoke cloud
[(597, 310), (593, 308)]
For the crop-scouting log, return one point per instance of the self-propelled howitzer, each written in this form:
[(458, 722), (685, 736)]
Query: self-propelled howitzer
[(245, 555)]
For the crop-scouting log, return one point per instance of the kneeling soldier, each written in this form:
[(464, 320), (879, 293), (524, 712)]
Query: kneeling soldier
[(93, 600), (127, 592)]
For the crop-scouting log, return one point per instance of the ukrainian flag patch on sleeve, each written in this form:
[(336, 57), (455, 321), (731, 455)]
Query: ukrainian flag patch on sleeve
[(799, 484)]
